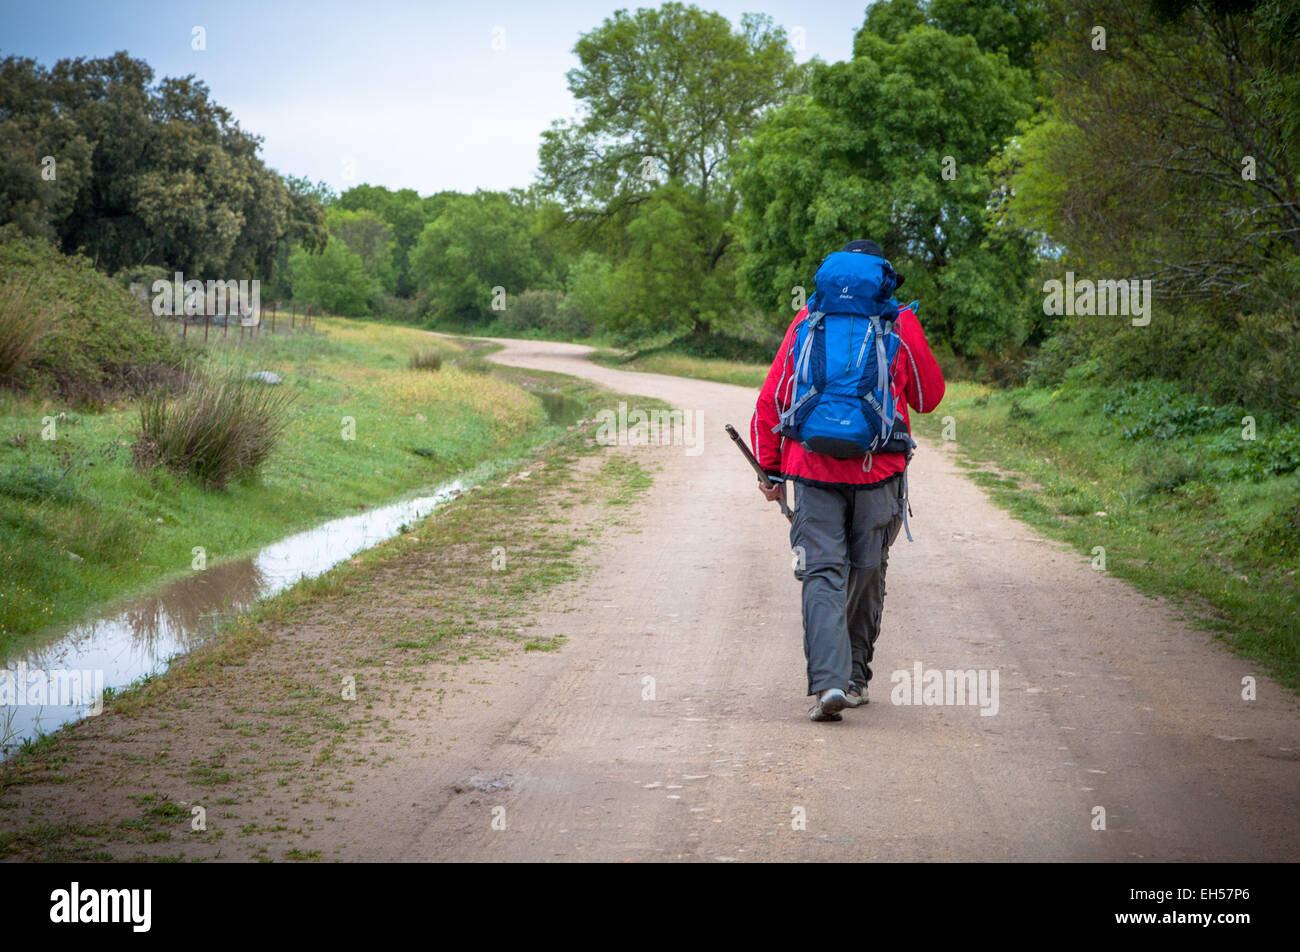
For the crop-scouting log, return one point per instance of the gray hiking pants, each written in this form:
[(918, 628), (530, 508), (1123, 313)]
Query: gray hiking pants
[(841, 539)]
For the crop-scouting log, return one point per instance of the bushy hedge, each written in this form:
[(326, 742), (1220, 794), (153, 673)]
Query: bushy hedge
[(100, 342), (547, 313), (1248, 360)]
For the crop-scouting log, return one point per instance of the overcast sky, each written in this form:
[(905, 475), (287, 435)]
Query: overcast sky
[(397, 94)]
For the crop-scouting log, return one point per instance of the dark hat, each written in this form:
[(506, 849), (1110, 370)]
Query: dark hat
[(864, 245), (868, 247)]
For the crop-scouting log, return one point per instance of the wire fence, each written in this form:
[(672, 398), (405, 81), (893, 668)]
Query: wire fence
[(237, 328)]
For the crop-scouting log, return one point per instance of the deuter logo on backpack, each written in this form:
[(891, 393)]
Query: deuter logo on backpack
[(841, 395)]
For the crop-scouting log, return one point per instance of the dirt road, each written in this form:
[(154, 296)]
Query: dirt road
[(673, 723)]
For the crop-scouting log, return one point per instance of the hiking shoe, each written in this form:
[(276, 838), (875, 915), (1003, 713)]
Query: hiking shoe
[(828, 706), (855, 696)]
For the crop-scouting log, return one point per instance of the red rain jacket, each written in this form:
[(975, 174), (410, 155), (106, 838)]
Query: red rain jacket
[(915, 375)]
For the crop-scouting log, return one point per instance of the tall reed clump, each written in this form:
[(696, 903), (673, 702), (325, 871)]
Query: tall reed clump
[(220, 427), (21, 328), (427, 359)]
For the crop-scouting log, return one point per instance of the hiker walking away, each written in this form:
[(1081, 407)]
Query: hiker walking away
[(832, 417)]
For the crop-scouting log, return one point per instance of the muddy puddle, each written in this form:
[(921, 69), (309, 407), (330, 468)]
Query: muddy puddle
[(44, 688), (560, 409)]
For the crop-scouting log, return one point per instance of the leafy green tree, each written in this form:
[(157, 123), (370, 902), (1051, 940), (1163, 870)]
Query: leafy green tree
[(894, 145), (320, 193), (590, 293), (667, 283), (145, 173), (370, 238), (305, 227), (1171, 152), (45, 160), (479, 242), (405, 212), (1013, 27), (1174, 153), (334, 279), (667, 96)]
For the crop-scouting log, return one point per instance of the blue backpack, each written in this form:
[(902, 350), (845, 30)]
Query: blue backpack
[(842, 402)]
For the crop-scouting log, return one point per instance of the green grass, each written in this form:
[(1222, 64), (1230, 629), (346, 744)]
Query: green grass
[(80, 524), (1183, 506)]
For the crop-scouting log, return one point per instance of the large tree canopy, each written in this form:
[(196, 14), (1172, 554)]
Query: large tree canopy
[(480, 242), (1173, 153), (893, 145), (405, 212), (667, 95), (1009, 26), (370, 238), (334, 279), (141, 173)]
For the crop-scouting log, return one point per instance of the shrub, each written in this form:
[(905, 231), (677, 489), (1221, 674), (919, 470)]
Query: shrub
[(1007, 368), (428, 359), (591, 296), (390, 307), (473, 364), (100, 341), (568, 323), (1163, 474), (1257, 367), (715, 345), (143, 278), (530, 311), (334, 280), (1018, 412), (1276, 454), (953, 365), (1163, 410), (544, 313), (219, 428), (1245, 359)]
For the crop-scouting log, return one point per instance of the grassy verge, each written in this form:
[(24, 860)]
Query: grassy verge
[(253, 725), (81, 525), (679, 364), (1181, 504)]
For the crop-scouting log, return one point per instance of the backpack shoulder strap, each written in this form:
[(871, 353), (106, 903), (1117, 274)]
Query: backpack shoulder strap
[(802, 369)]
